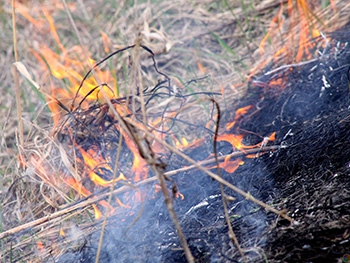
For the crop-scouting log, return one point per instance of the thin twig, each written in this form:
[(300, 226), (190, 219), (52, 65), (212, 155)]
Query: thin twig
[(232, 235), (109, 198), (89, 201), (248, 196), (286, 67), (15, 47), (148, 155), (146, 151), (16, 78)]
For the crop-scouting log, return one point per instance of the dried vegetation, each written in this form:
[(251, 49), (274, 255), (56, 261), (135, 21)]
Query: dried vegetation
[(220, 40)]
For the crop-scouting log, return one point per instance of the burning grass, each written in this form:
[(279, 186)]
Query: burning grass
[(64, 183)]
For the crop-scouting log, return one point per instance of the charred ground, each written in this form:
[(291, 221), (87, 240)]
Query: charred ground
[(311, 174), (307, 176)]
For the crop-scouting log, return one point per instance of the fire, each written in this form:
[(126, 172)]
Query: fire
[(229, 165), (68, 67), (274, 28), (53, 28), (139, 166), (239, 113), (182, 143), (98, 213), (86, 193), (201, 68), (40, 245), (24, 11), (117, 200), (78, 187), (236, 140), (297, 21), (62, 233), (78, 92), (65, 67), (106, 41), (95, 162)]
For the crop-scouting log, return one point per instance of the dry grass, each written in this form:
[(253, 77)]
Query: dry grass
[(190, 40)]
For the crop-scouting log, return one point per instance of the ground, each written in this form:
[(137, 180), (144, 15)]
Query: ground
[(221, 40)]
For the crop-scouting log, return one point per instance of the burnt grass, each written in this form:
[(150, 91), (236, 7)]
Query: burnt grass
[(311, 175), (308, 177)]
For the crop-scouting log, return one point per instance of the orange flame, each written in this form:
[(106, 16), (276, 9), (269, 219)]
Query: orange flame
[(98, 213), (53, 29), (40, 245), (24, 11), (239, 113), (201, 68), (230, 166), (67, 69), (274, 28), (78, 187), (106, 41), (295, 35), (96, 162), (84, 192), (235, 140)]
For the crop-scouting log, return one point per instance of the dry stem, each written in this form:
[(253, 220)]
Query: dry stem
[(232, 235), (16, 79), (214, 176), (104, 224), (95, 199)]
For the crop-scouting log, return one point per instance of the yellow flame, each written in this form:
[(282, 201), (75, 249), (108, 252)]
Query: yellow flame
[(98, 213), (62, 233), (184, 142)]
